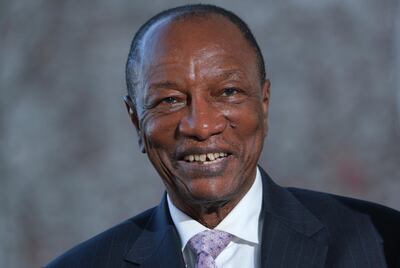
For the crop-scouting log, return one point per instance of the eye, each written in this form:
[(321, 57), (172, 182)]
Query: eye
[(230, 91), (170, 100)]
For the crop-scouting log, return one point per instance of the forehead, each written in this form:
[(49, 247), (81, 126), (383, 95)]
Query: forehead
[(196, 39)]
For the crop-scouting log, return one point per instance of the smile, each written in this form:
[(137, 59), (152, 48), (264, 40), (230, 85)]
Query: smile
[(205, 159)]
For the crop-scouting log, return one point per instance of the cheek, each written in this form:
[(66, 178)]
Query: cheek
[(246, 120), (158, 131)]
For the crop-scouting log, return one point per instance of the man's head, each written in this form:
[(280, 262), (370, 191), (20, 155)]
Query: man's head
[(199, 101)]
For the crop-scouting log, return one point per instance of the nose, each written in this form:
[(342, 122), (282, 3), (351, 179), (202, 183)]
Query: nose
[(202, 120)]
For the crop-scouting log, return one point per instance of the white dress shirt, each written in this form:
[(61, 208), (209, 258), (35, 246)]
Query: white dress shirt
[(243, 222)]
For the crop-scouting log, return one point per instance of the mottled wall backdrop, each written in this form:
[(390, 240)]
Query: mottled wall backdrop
[(69, 161)]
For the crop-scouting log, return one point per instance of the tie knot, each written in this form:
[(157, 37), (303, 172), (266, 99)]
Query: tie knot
[(210, 242)]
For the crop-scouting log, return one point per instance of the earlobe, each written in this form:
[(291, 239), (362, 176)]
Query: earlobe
[(140, 141), (265, 96), (131, 108), (265, 103)]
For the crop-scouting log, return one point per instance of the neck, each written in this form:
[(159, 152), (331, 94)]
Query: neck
[(208, 213)]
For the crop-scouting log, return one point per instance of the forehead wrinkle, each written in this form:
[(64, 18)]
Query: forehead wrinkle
[(229, 75), (219, 58), (156, 70), (233, 72)]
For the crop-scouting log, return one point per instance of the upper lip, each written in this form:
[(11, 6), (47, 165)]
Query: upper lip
[(181, 153)]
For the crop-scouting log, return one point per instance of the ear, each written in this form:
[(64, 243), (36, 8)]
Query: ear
[(131, 108), (265, 102)]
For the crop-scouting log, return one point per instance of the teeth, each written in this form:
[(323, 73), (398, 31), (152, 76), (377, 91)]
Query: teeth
[(205, 158)]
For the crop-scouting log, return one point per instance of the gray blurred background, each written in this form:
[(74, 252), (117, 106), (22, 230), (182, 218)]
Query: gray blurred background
[(69, 161)]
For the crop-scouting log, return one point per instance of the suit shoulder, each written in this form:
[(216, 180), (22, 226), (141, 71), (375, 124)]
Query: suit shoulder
[(344, 215), (319, 202), (335, 215), (112, 243)]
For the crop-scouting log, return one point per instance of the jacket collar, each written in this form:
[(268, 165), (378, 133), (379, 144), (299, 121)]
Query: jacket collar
[(158, 245), (281, 204), (289, 229)]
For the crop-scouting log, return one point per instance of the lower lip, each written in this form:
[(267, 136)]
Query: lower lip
[(198, 169)]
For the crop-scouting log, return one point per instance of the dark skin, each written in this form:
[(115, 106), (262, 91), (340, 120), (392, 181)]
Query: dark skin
[(201, 94)]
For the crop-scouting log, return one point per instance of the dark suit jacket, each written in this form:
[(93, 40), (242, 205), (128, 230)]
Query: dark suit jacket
[(301, 228)]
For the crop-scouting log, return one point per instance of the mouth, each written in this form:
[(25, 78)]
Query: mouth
[(204, 163), (205, 158)]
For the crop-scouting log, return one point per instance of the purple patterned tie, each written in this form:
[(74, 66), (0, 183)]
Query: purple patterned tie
[(208, 245)]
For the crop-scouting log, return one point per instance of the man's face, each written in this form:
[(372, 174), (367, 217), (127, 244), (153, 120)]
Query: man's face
[(202, 111)]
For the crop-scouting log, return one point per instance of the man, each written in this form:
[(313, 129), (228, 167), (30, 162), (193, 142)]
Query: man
[(199, 99)]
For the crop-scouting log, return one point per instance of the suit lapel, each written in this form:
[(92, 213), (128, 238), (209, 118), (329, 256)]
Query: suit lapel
[(292, 236), (159, 244)]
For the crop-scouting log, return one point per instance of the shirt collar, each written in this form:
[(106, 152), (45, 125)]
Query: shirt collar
[(245, 214)]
